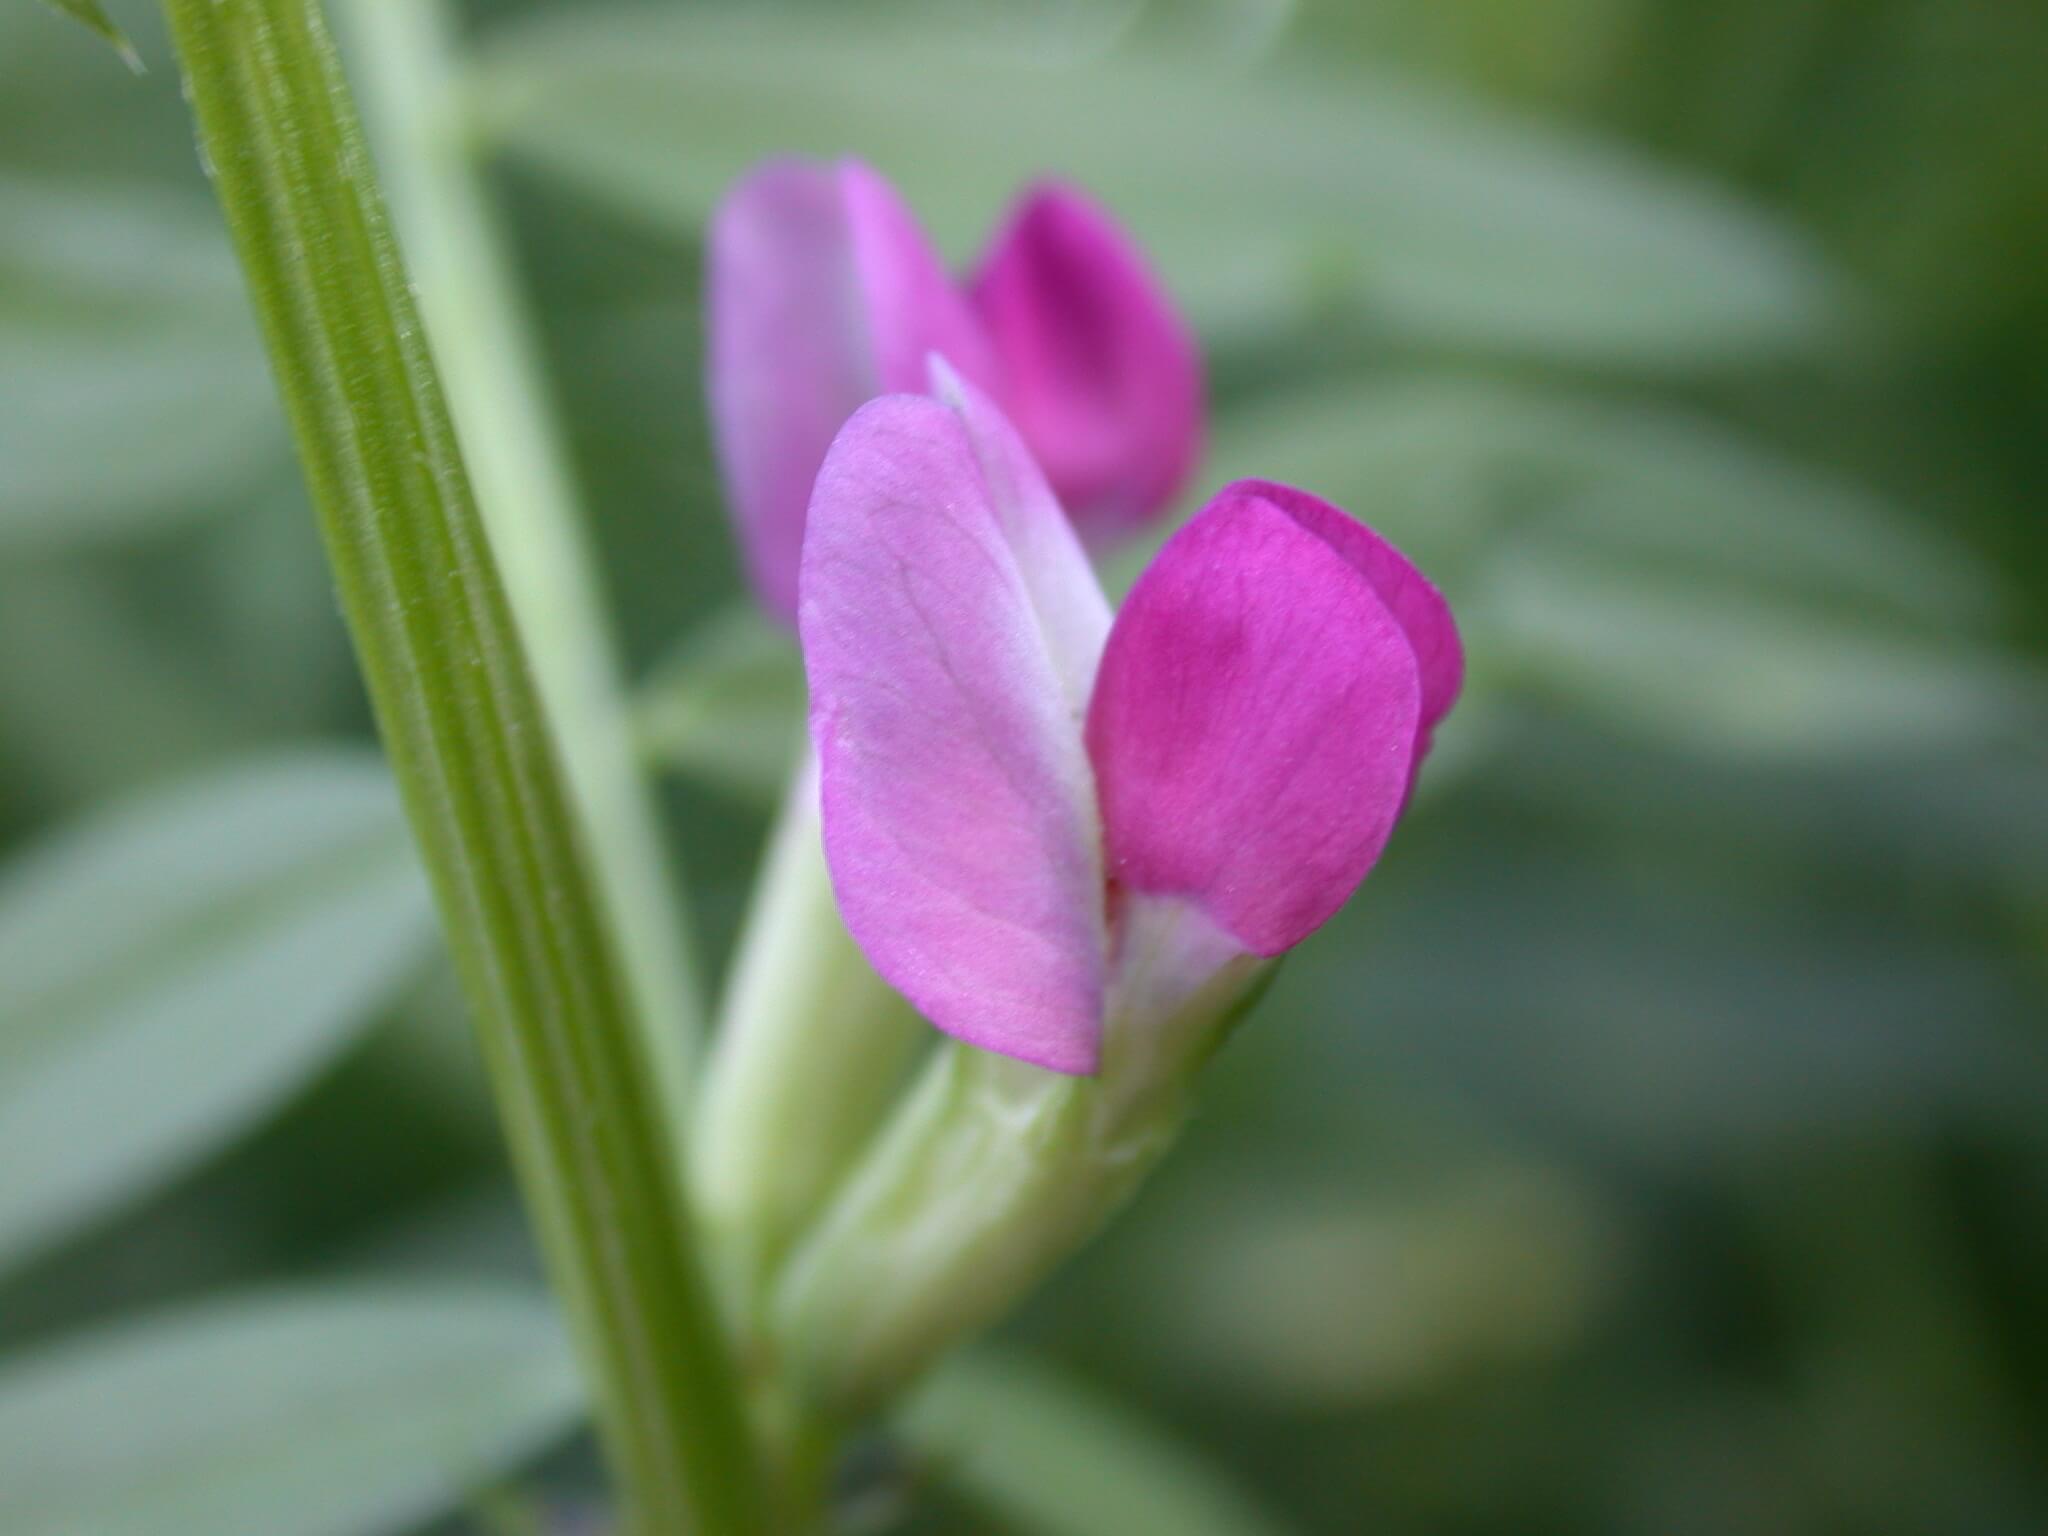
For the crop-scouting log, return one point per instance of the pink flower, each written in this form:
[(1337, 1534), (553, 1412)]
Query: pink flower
[(823, 292), (1099, 373), (1014, 783)]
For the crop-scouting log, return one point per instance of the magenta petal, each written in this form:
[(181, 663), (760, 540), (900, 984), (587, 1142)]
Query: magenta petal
[(822, 292), (1417, 606), (1253, 724), (950, 623), (1100, 373)]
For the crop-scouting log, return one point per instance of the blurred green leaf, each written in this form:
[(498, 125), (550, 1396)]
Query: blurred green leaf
[(1446, 465), (1732, 671), (1943, 814), (1643, 1007), (172, 969), (727, 707), (1266, 198), (1042, 1453), (333, 1413), (135, 392), (93, 16), (1656, 569), (1372, 1294), (65, 113), (98, 699)]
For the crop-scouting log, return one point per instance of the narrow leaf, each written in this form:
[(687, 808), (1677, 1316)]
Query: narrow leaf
[(174, 969), (1758, 676), (343, 1412), (1040, 1452), (1267, 198), (1598, 549), (93, 16), (1449, 464), (135, 389), (727, 707)]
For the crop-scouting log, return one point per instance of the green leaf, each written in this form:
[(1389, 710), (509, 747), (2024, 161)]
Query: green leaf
[(727, 707), (1448, 465), (1598, 551), (1267, 198), (65, 114), (1672, 1002), (93, 16), (172, 970), (343, 1412), (1735, 672), (135, 391), (1376, 1286), (1043, 1454), (96, 699)]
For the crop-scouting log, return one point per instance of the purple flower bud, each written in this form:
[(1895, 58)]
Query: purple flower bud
[(823, 293), (1100, 373)]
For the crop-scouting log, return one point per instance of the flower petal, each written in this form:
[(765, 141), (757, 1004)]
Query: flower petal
[(1417, 606), (1100, 373), (1253, 724), (822, 292), (950, 626)]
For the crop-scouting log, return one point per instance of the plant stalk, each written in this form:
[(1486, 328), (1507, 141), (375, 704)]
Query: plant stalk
[(474, 755), (490, 367)]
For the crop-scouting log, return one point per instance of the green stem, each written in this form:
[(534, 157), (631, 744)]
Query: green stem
[(472, 752), (505, 422)]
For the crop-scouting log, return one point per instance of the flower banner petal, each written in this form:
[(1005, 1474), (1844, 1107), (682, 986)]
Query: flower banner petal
[(1100, 373), (1253, 725), (949, 620)]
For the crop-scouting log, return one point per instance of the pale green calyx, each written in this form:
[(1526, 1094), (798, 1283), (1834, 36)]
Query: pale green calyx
[(811, 1046), (992, 1171)]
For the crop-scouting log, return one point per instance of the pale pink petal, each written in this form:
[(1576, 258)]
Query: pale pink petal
[(914, 306), (821, 293), (1253, 724), (949, 621), (1417, 606), (1071, 609), (1100, 373)]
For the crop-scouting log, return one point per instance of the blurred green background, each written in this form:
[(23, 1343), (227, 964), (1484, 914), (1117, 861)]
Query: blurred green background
[(1655, 1147)]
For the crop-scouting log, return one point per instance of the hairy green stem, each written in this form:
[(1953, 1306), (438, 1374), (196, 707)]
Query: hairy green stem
[(473, 752), (490, 367)]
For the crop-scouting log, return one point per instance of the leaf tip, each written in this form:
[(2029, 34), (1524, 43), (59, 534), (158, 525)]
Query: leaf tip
[(93, 16)]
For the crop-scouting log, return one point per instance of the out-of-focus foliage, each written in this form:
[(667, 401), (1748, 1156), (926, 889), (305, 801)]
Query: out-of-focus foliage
[(93, 16), (1027, 1446), (1352, 196), (178, 967), (135, 391), (727, 705), (329, 1411), (1654, 1148)]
